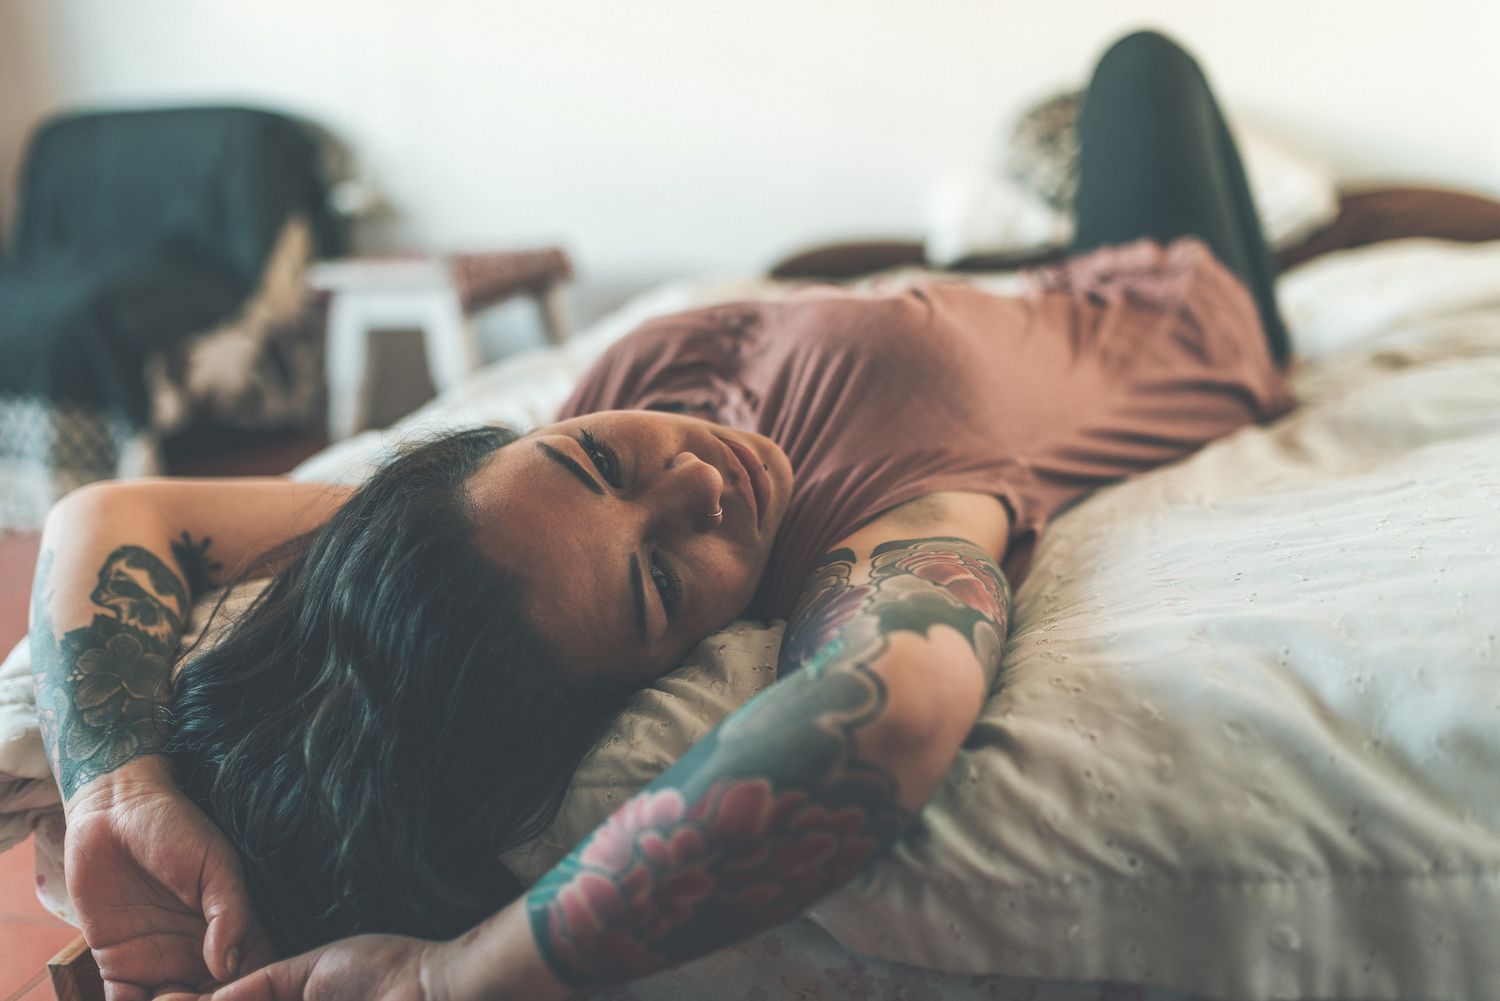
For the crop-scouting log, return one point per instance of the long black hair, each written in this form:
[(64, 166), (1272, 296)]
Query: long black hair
[(383, 720)]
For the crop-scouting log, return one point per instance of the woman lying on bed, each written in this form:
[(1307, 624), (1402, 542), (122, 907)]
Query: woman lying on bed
[(441, 647)]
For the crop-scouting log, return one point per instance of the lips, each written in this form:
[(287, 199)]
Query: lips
[(755, 484)]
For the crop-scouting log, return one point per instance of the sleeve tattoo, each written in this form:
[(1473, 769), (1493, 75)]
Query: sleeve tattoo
[(98, 687), (773, 809)]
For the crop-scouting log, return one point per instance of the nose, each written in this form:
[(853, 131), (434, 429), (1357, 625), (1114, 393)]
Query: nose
[(687, 496)]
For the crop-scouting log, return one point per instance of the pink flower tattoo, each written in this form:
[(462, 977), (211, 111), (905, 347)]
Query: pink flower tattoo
[(741, 857)]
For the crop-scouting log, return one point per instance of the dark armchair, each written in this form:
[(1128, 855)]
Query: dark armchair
[(155, 282)]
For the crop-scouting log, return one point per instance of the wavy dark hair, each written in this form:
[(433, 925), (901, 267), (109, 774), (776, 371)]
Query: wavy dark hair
[(384, 720)]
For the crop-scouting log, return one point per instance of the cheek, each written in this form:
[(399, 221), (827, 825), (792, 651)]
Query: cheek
[(731, 583)]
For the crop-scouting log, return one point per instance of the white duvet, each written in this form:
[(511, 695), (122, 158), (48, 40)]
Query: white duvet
[(1246, 740)]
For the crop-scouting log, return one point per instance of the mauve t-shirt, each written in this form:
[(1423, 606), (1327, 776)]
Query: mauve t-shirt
[(1109, 364)]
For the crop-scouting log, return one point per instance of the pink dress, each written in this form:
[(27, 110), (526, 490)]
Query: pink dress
[(1110, 364)]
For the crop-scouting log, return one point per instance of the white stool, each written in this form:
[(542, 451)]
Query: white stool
[(436, 295)]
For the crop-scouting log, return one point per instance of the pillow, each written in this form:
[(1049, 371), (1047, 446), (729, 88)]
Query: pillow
[(973, 213), (212, 615), (1031, 205), (656, 728)]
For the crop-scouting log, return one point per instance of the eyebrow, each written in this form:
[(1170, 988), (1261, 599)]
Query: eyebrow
[(637, 588), (572, 466)]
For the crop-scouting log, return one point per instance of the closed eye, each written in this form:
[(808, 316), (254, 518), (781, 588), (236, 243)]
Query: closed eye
[(668, 586), (663, 577), (604, 458)]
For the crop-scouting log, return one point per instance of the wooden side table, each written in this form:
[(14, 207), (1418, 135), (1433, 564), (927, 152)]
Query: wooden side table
[(438, 295)]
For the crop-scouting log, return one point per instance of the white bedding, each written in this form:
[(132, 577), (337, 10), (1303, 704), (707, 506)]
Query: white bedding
[(1246, 736)]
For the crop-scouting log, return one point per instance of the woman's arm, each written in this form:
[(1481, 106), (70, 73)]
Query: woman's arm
[(120, 566), (883, 670), (157, 888)]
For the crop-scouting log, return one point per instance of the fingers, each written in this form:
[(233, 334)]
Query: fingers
[(177, 992), (261, 953), (124, 992), (115, 990), (130, 992), (248, 989), (281, 982), (235, 943)]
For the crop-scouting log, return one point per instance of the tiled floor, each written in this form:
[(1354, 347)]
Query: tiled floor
[(29, 936), (17, 561)]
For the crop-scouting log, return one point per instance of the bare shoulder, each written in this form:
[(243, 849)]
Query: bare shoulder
[(979, 518)]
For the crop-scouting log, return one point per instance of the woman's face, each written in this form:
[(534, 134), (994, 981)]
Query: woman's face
[(635, 534)]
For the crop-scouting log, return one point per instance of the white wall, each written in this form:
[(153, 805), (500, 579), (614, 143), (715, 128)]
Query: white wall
[(659, 137)]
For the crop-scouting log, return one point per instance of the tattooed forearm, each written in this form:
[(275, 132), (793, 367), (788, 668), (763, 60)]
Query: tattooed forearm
[(98, 686), (777, 807)]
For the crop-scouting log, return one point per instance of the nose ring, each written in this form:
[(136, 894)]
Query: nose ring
[(718, 513)]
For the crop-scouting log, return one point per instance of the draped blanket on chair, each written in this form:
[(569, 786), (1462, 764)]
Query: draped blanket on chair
[(142, 236)]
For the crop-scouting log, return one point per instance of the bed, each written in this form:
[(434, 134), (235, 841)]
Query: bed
[(1243, 743)]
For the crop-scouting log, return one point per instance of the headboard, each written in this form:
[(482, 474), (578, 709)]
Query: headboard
[(1364, 217)]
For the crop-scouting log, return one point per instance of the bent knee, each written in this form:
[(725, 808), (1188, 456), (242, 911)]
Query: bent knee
[(1146, 53)]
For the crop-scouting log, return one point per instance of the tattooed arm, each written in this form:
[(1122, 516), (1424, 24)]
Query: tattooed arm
[(883, 669), (156, 887), (120, 565)]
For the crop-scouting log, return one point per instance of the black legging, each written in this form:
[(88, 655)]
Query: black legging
[(1156, 160)]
